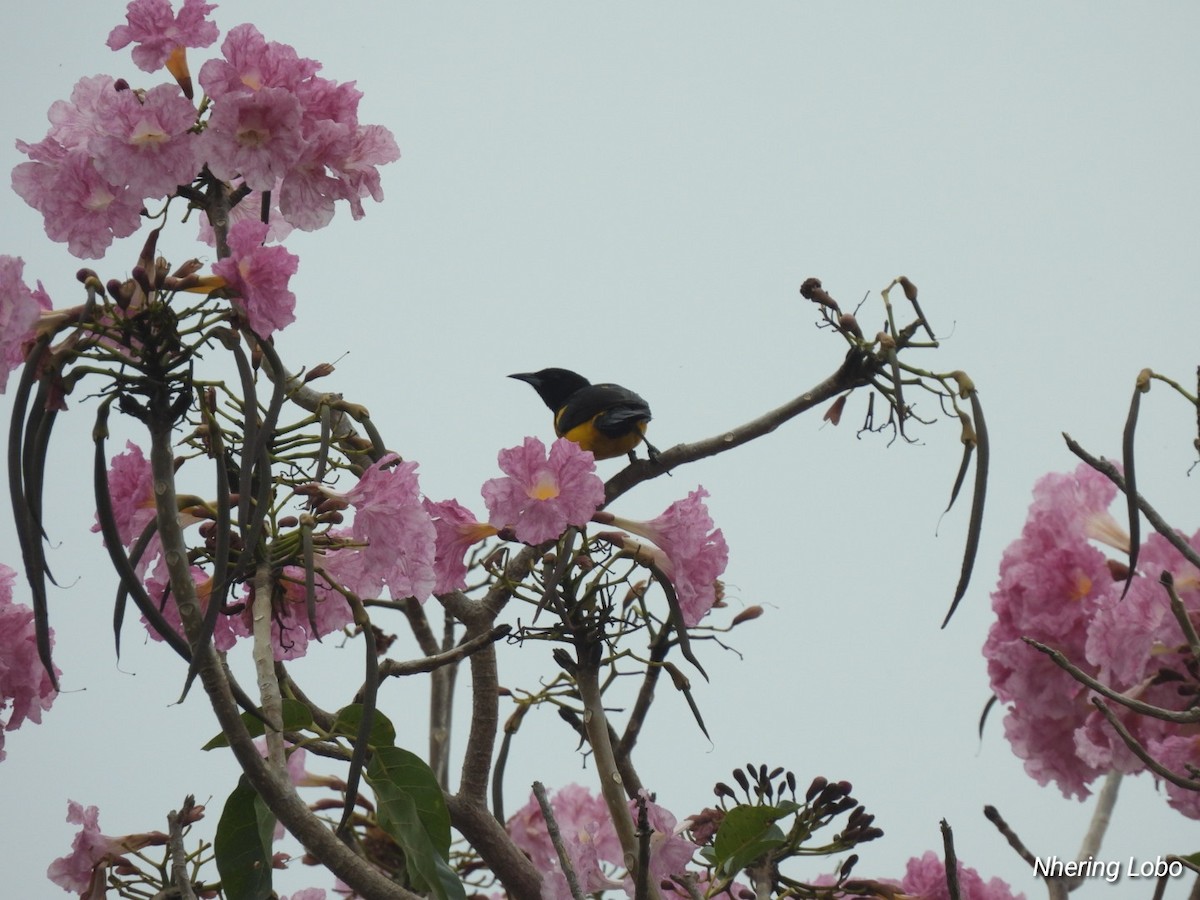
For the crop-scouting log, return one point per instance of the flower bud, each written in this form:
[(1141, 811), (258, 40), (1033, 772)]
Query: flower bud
[(966, 387), (140, 276), (750, 612), (318, 371), (190, 267), (1118, 569), (811, 290), (121, 292)]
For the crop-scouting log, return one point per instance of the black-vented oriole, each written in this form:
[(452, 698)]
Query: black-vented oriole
[(606, 419)]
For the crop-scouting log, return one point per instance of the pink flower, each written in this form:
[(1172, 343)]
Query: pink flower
[(587, 832), (591, 840), (1132, 639), (328, 101), (147, 142), (308, 191), (227, 628), (251, 63), (290, 628), (20, 309), (670, 851), (690, 552), (78, 205), (1052, 585), (1135, 640), (307, 894), (539, 496), (131, 489), (340, 162), (74, 123), (1178, 753), (83, 869), (255, 136), (399, 535), (457, 531), (925, 879), (373, 146), (157, 33), (25, 688), (258, 276)]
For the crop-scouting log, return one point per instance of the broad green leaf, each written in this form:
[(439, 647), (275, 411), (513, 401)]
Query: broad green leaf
[(412, 810), (243, 845), (296, 717), (745, 835), (349, 718)]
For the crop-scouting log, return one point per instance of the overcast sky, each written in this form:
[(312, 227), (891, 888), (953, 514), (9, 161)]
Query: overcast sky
[(636, 191)]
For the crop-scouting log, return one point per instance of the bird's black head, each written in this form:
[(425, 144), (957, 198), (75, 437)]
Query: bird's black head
[(554, 386)]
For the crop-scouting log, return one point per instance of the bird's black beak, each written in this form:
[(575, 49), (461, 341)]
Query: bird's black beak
[(527, 377)]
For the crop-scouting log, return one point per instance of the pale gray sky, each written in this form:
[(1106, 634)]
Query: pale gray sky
[(637, 191)]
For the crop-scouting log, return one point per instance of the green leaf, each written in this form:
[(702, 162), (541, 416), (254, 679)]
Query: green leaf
[(243, 844), (296, 717), (383, 732), (412, 810), (746, 834)]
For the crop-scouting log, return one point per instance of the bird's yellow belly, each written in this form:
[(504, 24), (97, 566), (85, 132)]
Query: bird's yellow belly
[(602, 446)]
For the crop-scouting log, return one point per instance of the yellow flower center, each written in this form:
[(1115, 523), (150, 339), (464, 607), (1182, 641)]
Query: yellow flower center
[(1083, 587), (545, 488)]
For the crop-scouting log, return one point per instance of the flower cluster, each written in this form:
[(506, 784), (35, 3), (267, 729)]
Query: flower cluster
[(591, 842), (273, 123), (1058, 588)]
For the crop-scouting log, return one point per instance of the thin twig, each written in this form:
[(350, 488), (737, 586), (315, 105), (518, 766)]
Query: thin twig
[(1055, 887), (845, 378), (180, 879), (1167, 580), (564, 860), (1141, 752), (951, 860), (1109, 471), (1146, 709)]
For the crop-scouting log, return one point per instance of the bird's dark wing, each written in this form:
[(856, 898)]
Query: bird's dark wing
[(619, 410)]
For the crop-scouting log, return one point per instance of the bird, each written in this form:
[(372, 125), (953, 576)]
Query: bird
[(606, 419)]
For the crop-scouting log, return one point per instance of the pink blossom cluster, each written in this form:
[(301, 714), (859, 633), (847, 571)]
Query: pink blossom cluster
[(397, 541), (273, 125), (25, 688), (410, 546), (1058, 588), (590, 839)]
